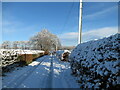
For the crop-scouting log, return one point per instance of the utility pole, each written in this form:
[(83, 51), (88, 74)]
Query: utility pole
[(56, 45), (80, 23)]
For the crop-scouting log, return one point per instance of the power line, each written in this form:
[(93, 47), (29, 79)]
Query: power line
[(68, 16)]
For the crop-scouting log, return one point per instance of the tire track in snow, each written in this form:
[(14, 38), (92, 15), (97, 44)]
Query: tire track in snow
[(59, 79), (17, 81), (50, 76)]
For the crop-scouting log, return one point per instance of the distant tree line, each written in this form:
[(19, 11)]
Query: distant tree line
[(43, 40), (15, 45), (68, 47)]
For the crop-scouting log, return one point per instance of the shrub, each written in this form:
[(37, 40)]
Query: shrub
[(26, 57), (66, 56), (35, 56), (96, 63), (46, 53)]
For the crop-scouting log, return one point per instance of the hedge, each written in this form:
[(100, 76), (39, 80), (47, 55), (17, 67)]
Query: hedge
[(28, 58)]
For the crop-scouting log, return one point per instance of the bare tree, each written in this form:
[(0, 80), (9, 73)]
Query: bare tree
[(26, 44), (34, 42), (0, 46), (6, 45), (16, 44), (23, 44), (45, 40)]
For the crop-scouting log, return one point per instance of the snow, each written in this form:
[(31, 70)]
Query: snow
[(9, 56), (62, 75), (45, 72), (98, 60), (20, 51), (60, 53), (34, 63)]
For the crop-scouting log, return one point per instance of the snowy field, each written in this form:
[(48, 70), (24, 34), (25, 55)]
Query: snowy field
[(45, 72)]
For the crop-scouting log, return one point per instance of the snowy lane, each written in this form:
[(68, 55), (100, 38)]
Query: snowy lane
[(50, 76), (16, 78), (24, 76), (48, 73), (62, 75), (38, 78)]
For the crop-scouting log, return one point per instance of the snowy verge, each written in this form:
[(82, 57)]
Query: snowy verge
[(96, 63)]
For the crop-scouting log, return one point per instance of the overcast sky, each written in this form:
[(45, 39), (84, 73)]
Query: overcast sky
[(21, 20)]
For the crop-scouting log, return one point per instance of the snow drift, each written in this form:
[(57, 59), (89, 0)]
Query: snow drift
[(96, 63)]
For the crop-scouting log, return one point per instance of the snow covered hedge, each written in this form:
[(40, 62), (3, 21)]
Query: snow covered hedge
[(9, 56), (63, 55), (96, 64)]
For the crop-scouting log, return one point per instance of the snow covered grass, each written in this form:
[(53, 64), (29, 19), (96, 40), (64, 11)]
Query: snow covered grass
[(96, 64)]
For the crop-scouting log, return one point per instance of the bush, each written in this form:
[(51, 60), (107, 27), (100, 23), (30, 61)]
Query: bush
[(28, 58), (63, 55), (41, 54), (21, 57), (66, 56), (35, 56), (46, 53), (96, 63)]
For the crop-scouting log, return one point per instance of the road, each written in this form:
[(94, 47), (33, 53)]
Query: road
[(45, 72)]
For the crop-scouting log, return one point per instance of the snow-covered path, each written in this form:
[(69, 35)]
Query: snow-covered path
[(45, 72)]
